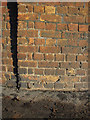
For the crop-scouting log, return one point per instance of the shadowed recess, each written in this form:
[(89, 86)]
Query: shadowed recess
[(13, 14)]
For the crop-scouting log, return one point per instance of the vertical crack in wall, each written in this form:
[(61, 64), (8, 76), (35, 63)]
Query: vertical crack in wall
[(13, 14)]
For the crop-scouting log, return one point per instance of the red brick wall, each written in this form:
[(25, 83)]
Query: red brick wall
[(52, 46)]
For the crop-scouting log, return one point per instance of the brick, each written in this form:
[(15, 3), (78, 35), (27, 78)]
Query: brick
[(73, 10), (59, 57), (71, 50), (72, 42), (62, 10), (29, 56), (49, 57), (78, 85), (20, 49), (10, 69), (3, 68), (80, 72), (39, 25), (58, 85), (48, 64), (73, 27), (62, 42), (32, 49), (70, 57), (22, 8), (38, 56), (22, 25), (61, 26), (70, 72), (27, 63), (49, 71), (50, 9), (48, 78), (83, 11), (22, 71), (30, 71), (83, 43), (85, 65), (22, 41), (3, 3), (30, 24), (5, 33), (39, 9), (83, 28), (7, 61), (21, 56), (3, 10), (82, 58), (39, 71), (69, 79), (50, 42), (50, 18), (74, 19), (49, 49), (60, 72), (49, 85), (84, 79), (39, 41), (27, 33), (50, 26), (27, 16), (50, 34), (70, 64), (31, 41), (29, 7)]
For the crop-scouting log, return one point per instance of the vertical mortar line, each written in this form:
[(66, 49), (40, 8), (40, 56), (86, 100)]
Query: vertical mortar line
[(13, 14)]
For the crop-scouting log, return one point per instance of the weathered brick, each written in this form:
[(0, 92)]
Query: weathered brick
[(31, 41), (48, 64), (39, 25), (74, 19), (60, 72), (39, 41), (73, 10), (10, 68), (83, 43), (70, 64), (71, 50), (30, 24), (29, 56), (32, 49), (80, 72), (50, 18), (50, 9), (49, 85), (22, 25), (49, 71), (50, 42), (39, 71), (58, 85), (27, 16), (30, 71), (39, 9), (62, 27), (38, 56), (50, 26), (59, 57), (49, 49), (22, 8), (22, 41), (21, 56), (69, 79), (27, 63), (49, 57), (70, 57), (50, 34), (82, 58), (73, 27), (83, 28), (29, 7), (85, 65), (22, 71), (62, 10), (70, 72), (62, 42)]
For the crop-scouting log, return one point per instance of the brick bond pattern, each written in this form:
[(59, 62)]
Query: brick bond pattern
[(52, 46)]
